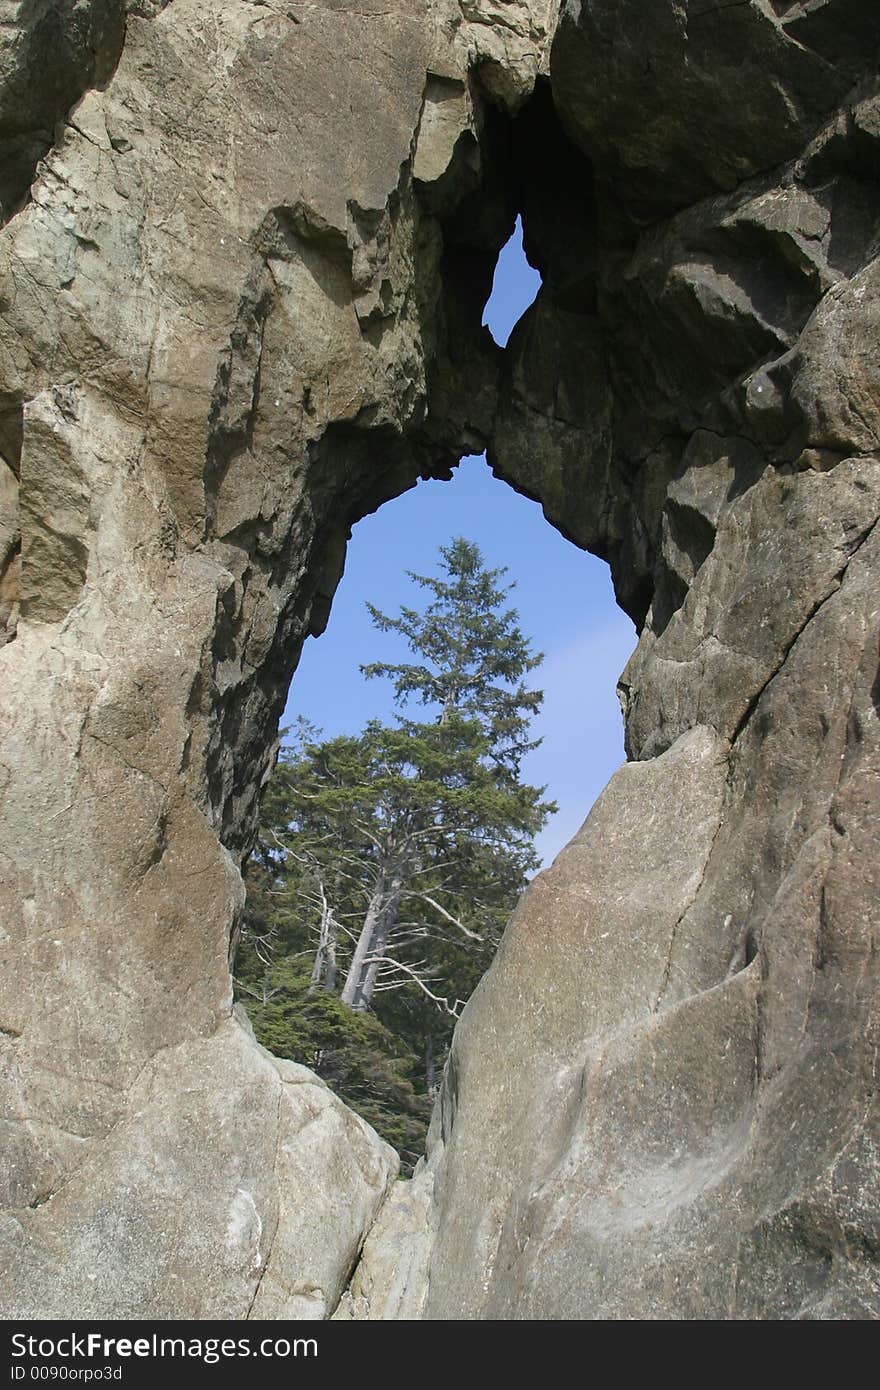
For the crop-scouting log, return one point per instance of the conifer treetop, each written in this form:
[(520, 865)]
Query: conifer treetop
[(474, 655)]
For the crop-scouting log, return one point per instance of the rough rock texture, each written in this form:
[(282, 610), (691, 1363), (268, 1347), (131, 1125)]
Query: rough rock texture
[(49, 54), (240, 309), (662, 1100), (221, 305), (391, 1278)]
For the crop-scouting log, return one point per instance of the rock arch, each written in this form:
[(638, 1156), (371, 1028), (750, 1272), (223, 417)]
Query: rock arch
[(241, 309)]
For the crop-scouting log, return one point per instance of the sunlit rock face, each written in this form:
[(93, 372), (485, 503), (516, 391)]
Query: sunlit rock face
[(241, 308)]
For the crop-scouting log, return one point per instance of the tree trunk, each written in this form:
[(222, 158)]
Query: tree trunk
[(318, 963), (384, 928), (330, 966), (351, 988), (326, 929)]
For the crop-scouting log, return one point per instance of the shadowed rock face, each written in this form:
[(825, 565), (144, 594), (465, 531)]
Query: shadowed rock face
[(50, 54), (241, 308)]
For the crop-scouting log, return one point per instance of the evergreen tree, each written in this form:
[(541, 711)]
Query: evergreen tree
[(390, 860)]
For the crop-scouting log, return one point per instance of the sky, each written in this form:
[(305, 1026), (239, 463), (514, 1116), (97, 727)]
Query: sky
[(563, 596)]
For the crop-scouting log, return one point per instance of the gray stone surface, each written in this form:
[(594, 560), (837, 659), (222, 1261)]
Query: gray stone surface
[(706, 418), (181, 1210), (241, 278), (390, 1283), (50, 53)]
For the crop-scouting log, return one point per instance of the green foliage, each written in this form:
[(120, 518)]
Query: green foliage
[(474, 655), (390, 860), (365, 1063)]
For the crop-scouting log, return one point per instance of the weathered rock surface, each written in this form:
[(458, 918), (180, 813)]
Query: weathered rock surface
[(240, 309), (390, 1282), (662, 1099), (219, 1161), (49, 55)]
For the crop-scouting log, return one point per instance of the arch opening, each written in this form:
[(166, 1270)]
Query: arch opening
[(301, 928), (385, 1060)]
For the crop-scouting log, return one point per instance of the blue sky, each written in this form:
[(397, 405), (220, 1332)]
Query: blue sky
[(563, 596)]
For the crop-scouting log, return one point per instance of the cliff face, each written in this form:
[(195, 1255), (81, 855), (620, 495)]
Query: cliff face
[(241, 309)]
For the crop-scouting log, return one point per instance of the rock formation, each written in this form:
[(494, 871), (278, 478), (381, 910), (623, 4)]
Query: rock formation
[(245, 254)]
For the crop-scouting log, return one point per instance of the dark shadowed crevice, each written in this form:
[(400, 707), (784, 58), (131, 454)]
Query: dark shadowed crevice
[(58, 52), (553, 433), (11, 433), (554, 188)]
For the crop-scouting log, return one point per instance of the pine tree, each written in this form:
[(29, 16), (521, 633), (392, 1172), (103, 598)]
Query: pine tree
[(390, 860), (474, 655)]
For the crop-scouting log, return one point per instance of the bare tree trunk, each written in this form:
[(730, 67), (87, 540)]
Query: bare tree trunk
[(351, 988), (317, 969), (384, 927), (330, 968), (325, 931), (318, 963)]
